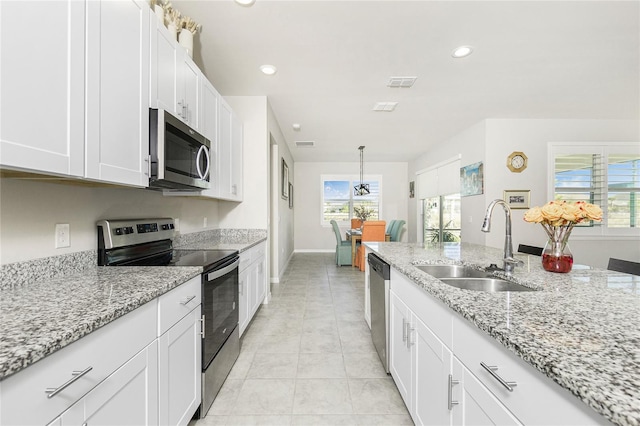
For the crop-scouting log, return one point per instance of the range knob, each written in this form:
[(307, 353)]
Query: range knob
[(118, 231)]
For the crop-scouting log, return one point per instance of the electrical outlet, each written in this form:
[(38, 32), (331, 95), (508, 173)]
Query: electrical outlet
[(62, 235), (176, 224), (204, 222)]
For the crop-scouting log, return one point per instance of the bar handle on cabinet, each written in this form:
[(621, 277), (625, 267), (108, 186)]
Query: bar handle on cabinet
[(202, 328), (450, 401), (404, 330), (409, 331), (492, 370), (76, 375)]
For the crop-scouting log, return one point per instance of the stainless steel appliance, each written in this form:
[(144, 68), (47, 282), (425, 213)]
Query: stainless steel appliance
[(379, 279), (179, 155), (148, 242)]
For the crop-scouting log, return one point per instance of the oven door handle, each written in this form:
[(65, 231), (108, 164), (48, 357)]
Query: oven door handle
[(225, 270)]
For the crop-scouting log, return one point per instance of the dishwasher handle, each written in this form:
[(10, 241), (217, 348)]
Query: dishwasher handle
[(379, 266)]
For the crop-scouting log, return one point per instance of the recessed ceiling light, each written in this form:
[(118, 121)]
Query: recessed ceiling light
[(268, 69), (296, 126), (246, 3), (384, 107), (462, 51)]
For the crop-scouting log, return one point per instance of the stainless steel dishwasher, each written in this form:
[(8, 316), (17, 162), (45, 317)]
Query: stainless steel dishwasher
[(379, 274)]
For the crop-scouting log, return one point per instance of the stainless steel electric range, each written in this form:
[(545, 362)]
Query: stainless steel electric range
[(149, 242)]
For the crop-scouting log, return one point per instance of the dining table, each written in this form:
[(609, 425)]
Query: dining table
[(355, 235)]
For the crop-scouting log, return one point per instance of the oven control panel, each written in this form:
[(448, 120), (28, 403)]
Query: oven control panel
[(124, 232)]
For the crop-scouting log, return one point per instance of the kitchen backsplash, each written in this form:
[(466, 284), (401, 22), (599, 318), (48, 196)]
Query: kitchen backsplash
[(20, 273)]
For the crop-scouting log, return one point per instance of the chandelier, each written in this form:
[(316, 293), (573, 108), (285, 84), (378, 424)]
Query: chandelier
[(362, 188)]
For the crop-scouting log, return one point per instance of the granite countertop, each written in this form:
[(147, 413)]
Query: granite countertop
[(45, 316), (580, 329), (43, 311)]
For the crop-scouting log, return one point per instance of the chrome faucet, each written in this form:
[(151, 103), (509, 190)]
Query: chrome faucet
[(509, 262)]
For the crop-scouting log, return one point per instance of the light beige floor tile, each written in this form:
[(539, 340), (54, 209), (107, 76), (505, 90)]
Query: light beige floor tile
[(376, 396), (323, 325), (265, 396), (210, 421), (242, 365), (384, 420), (358, 344), (321, 366), (283, 326), (325, 420), (364, 365), (285, 343), (226, 399), (354, 329), (273, 366), (258, 420), (322, 396), (320, 343)]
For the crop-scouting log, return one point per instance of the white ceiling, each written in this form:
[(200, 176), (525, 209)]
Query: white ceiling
[(532, 59)]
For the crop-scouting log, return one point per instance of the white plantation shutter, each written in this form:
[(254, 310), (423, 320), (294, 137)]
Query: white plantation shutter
[(607, 175), (623, 190)]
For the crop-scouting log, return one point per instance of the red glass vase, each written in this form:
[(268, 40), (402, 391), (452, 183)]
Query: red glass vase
[(556, 257)]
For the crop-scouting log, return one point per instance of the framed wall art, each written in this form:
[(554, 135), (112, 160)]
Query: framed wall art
[(471, 180), (517, 198), (285, 180), (290, 195)]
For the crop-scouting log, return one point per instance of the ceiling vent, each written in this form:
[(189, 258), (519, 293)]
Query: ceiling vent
[(385, 106), (305, 144), (401, 81)]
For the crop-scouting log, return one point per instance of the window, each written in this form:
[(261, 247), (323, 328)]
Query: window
[(442, 219), (607, 175), (338, 200)]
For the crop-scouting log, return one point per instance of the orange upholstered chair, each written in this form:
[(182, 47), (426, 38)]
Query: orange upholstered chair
[(356, 223), (372, 230)]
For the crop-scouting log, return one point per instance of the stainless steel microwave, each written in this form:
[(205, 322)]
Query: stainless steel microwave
[(179, 155)]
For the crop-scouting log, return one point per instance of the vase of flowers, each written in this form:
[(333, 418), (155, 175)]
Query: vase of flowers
[(558, 219), (362, 212)]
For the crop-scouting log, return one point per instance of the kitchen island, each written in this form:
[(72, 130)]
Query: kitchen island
[(578, 329)]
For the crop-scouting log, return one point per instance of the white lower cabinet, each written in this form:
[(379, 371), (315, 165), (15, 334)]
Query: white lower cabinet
[(141, 369), (179, 381), (128, 396), (252, 281), (420, 365), (435, 361)]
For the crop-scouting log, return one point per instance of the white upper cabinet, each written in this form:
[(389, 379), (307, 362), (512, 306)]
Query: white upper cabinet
[(162, 78), (188, 90), (230, 157), (209, 108), (42, 85), (117, 98)]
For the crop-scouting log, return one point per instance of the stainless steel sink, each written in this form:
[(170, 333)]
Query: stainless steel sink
[(484, 284), (468, 278), (452, 271)]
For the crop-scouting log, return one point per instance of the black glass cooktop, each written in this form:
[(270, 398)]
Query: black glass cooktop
[(181, 257)]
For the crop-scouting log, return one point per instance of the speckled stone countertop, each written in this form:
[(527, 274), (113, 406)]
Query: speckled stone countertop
[(45, 316), (580, 329), (49, 303)]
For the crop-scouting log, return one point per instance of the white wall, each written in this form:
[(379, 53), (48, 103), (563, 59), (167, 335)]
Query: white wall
[(283, 214), (470, 145), (309, 233), (491, 141), (30, 209)]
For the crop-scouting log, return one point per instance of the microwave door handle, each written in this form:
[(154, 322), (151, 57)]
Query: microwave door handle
[(206, 154), (198, 161)]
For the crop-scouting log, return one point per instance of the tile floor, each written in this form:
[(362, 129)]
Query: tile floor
[(307, 357)]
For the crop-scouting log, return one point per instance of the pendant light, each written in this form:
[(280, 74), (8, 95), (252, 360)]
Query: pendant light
[(363, 188)]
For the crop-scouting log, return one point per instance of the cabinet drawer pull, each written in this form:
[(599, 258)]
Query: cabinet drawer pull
[(76, 375), (450, 401), (409, 331), (187, 300), (492, 370), (404, 330)]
